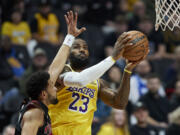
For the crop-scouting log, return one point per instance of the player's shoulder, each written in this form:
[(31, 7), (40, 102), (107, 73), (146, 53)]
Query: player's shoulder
[(35, 114), (67, 68), (52, 15), (24, 24), (7, 24)]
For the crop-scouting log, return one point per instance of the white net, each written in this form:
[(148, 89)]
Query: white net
[(167, 14)]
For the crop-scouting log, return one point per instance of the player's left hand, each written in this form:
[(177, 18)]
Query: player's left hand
[(131, 65), (71, 22), (121, 42)]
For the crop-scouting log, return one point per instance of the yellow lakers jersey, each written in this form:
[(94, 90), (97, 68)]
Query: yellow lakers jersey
[(74, 112), (18, 33), (110, 129), (48, 28)]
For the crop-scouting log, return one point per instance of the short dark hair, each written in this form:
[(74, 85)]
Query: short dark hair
[(36, 83)]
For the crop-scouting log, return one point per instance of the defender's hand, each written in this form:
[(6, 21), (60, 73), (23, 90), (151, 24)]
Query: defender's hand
[(71, 22), (120, 44)]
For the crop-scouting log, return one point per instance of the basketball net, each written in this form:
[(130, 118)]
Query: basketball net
[(167, 14)]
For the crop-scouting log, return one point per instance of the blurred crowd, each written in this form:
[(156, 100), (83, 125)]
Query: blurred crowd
[(31, 31)]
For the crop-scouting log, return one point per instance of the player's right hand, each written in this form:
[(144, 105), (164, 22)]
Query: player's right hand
[(71, 22), (120, 44)]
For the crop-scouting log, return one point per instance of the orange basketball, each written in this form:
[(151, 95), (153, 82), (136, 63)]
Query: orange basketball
[(140, 48)]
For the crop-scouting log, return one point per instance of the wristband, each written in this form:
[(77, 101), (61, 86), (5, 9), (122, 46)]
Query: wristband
[(69, 39), (125, 70), (113, 59), (109, 60)]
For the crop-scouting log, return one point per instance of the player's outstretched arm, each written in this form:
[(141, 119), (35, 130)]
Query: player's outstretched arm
[(59, 61), (32, 120), (117, 98), (95, 72)]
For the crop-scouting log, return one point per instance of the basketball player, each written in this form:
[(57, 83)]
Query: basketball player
[(34, 118), (79, 89)]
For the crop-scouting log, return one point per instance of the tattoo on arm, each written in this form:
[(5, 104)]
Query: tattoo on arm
[(116, 98)]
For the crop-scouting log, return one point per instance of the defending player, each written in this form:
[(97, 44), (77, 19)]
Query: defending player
[(73, 115), (33, 117)]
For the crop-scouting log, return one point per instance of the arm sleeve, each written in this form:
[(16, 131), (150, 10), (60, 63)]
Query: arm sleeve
[(88, 75)]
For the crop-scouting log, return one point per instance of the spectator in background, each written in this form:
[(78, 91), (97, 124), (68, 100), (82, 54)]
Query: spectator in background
[(100, 116), (118, 124), (9, 105), (175, 98), (142, 127), (114, 75), (6, 74), (131, 4), (120, 26), (138, 83), (39, 62), (16, 29), (139, 11), (157, 106), (9, 54), (46, 27), (150, 6), (174, 119), (81, 8), (155, 38), (11, 67), (122, 7), (172, 39), (9, 130), (173, 72), (23, 7), (99, 11)]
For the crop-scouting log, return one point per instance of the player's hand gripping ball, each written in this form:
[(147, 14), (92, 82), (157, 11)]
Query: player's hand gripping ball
[(140, 48)]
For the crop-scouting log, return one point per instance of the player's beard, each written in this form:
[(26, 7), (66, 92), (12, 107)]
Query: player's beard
[(78, 63)]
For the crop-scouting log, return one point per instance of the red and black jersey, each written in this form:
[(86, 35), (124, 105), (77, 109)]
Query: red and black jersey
[(46, 128)]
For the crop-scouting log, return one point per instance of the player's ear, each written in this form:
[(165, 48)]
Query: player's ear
[(43, 94)]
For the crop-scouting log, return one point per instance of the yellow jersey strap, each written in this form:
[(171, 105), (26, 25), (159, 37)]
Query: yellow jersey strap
[(67, 65)]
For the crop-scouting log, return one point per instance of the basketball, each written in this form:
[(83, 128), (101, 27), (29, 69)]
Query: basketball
[(140, 47)]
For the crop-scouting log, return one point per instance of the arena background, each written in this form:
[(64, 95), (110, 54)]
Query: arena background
[(25, 49)]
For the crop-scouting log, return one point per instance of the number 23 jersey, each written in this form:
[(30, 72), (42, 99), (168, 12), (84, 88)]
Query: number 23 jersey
[(74, 112)]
